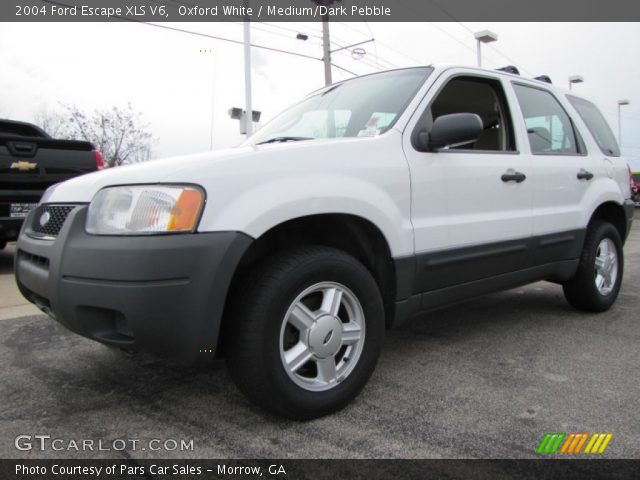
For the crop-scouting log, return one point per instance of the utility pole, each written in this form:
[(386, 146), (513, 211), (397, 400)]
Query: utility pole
[(326, 41), (326, 50), (248, 118)]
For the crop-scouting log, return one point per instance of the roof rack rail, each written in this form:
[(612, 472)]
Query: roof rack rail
[(509, 69), (543, 78)]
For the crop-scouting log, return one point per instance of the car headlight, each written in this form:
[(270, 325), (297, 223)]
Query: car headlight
[(145, 210)]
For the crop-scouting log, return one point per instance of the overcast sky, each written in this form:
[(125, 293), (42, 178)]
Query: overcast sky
[(176, 86)]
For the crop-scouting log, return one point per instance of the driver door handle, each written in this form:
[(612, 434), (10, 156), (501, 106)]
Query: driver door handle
[(512, 176), (584, 175)]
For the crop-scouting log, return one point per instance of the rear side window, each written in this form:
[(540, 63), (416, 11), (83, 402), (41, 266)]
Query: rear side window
[(549, 127), (597, 125)]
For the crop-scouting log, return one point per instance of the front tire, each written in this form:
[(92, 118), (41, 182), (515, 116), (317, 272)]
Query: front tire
[(305, 332), (596, 284)]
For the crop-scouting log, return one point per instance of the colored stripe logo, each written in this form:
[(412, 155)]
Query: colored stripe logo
[(573, 443)]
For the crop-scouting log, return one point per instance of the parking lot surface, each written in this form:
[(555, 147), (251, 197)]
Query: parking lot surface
[(487, 378)]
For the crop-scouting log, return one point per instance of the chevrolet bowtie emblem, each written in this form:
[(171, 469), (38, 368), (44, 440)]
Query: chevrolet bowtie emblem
[(23, 166)]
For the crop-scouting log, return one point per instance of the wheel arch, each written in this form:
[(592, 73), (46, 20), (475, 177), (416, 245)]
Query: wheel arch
[(612, 212), (352, 234)]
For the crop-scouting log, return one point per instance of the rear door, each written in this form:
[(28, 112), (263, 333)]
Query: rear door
[(561, 173)]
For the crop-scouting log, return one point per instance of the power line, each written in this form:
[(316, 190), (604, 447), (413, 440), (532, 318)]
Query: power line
[(377, 63), (448, 14), (340, 43), (344, 69), (375, 45), (223, 39), (199, 34), (363, 61), (292, 30), (264, 47), (340, 48), (260, 29), (450, 35), (419, 62)]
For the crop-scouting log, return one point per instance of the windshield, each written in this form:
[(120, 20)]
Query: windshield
[(362, 107)]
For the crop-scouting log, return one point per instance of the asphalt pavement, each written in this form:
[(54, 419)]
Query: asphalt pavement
[(484, 379)]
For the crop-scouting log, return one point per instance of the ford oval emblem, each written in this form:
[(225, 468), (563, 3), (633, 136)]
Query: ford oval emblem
[(44, 219)]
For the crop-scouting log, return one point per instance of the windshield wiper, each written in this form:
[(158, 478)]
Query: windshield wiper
[(284, 139)]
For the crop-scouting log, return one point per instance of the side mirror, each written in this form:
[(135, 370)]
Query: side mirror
[(450, 130)]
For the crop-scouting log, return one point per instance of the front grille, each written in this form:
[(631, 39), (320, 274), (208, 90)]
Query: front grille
[(49, 219)]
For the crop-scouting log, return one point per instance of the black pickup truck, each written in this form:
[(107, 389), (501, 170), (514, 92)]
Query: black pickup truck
[(30, 162)]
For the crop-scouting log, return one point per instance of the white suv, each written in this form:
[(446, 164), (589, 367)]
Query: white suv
[(369, 201)]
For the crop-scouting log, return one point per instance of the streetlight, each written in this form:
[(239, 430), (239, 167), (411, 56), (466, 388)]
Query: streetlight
[(575, 79), (485, 36), (622, 102), (237, 113)]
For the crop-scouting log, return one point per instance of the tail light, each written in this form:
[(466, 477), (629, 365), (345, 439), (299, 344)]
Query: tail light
[(99, 159)]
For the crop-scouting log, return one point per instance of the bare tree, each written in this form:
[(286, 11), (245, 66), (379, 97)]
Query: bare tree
[(54, 124), (119, 133)]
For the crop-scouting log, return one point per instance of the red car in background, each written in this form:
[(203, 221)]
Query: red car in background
[(635, 189)]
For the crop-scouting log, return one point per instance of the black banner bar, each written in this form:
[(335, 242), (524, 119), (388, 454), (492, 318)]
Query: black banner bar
[(308, 10), (318, 469)]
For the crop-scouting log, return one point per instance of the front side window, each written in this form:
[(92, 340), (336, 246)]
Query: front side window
[(549, 128), (484, 97), (362, 107), (597, 125)]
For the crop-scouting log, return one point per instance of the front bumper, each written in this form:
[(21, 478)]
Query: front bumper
[(163, 294), (629, 209)]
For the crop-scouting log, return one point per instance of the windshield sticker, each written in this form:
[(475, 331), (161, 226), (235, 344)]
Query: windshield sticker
[(369, 132), (372, 129)]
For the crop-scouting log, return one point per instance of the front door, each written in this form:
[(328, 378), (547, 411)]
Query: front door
[(471, 204)]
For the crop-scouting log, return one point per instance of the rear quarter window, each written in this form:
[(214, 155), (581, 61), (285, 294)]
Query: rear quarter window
[(597, 125)]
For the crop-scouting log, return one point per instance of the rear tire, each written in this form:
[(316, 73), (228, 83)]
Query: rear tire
[(305, 332), (596, 284)]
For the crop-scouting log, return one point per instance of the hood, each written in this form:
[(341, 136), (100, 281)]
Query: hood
[(82, 189), (232, 165)]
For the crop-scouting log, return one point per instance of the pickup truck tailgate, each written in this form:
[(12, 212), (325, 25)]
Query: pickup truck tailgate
[(29, 165)]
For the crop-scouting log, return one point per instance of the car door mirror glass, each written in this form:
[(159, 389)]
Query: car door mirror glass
[(450, 131), (454, 129)]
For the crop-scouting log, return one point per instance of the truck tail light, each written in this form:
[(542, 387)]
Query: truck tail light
[(99, 159)]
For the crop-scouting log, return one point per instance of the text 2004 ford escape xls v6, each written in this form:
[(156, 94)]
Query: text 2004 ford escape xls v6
[(343, 216)]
